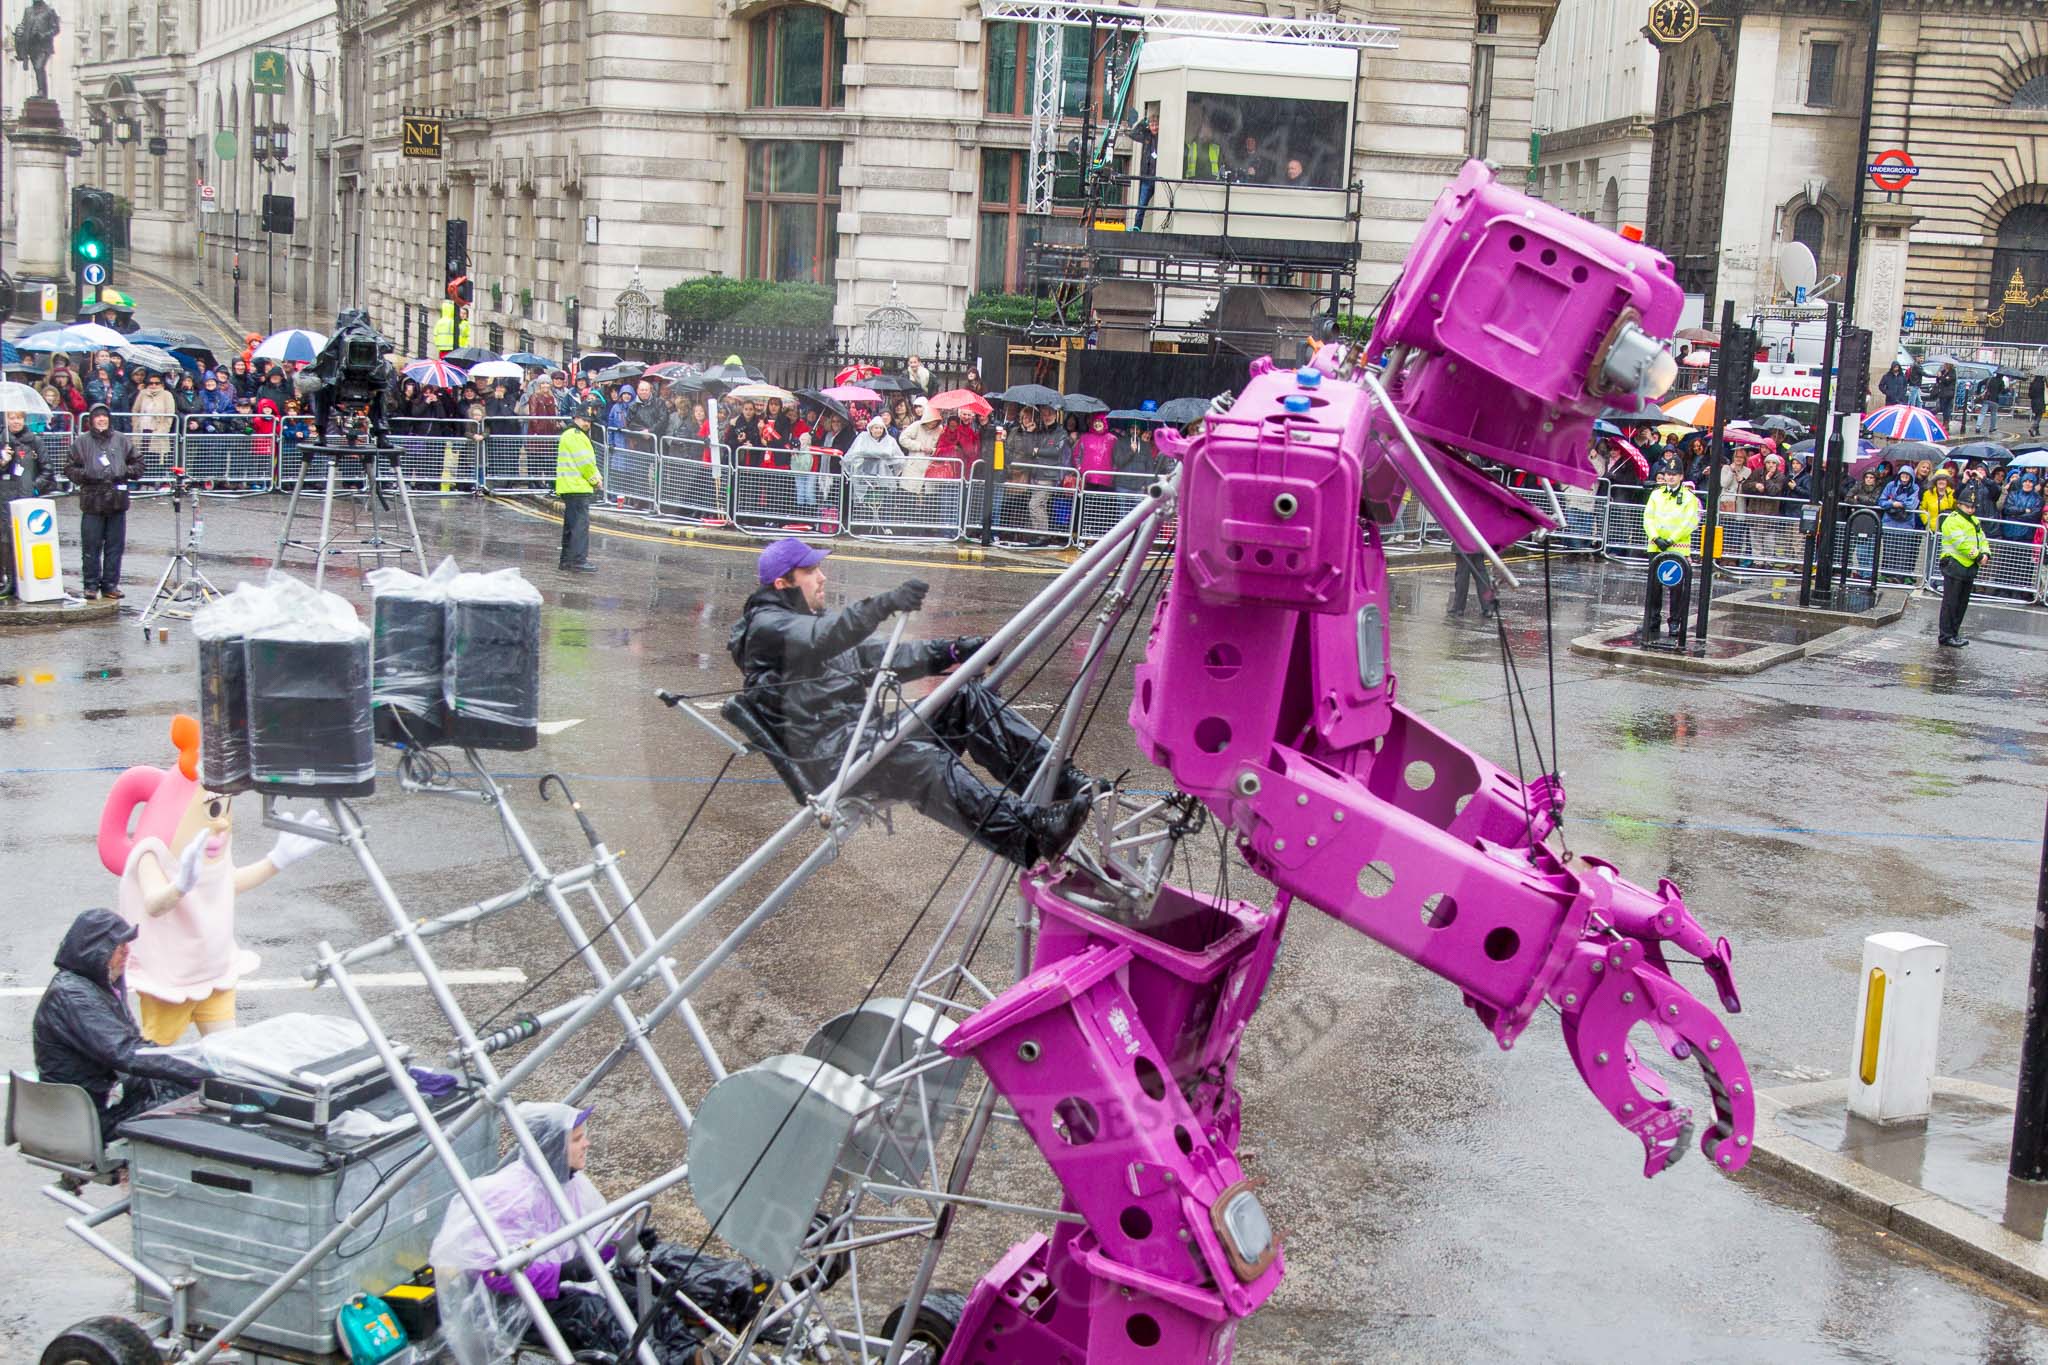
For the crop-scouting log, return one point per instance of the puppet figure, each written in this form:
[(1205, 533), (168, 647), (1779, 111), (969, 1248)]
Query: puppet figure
[(178, 887)]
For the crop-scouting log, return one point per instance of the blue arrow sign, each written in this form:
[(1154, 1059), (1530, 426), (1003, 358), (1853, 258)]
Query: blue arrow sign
[(95, 274), (39, 522), (1908, 320), (1670, 571)]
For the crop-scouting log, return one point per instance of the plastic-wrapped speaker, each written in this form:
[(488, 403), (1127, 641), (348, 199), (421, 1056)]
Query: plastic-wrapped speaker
[(491, 673)]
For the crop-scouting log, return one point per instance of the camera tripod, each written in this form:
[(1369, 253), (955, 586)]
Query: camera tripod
[(371, 544), (181, 588)]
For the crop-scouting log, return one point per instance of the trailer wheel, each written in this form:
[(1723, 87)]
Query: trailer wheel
[(102, 1341), (938, 1317)]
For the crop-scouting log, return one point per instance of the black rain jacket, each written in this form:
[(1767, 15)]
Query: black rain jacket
[(83, 1033), (808, 673)]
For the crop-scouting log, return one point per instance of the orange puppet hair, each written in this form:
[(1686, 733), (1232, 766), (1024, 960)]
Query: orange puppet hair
[(185, 735)]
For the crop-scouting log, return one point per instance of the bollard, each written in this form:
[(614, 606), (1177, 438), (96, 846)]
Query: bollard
[(1898, 1022)]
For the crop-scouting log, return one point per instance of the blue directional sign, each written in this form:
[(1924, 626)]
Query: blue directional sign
[(1799, 294), (1908, 320), (95, 274), (39, 522), (1670, 571)]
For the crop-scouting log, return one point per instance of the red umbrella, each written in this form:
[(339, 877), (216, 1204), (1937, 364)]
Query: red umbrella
[(853, 374), (961, 400)]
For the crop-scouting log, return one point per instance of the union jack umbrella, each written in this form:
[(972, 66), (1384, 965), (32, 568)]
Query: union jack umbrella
[(853, 374), (436, 374), (1904, 422)]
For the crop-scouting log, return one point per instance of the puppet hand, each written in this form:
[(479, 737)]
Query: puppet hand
[(292, 847), (188, 864)]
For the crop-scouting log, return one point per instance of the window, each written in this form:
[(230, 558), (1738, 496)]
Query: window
[(1260, 140), (1010, 54), (1810, 229), (1489, 23), (2032, 95), (792, 197), (1820, 75), (798, 59), (1480, 129)]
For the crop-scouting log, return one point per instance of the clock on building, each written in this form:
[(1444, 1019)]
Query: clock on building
[(1674, 21)]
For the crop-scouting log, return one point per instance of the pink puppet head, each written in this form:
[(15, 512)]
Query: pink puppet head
[(173, 805)]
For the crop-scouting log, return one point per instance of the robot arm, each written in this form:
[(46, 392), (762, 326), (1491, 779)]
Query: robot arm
[(1268, 689)]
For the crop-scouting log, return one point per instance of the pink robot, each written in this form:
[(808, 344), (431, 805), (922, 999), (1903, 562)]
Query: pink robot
[(1268, 692)]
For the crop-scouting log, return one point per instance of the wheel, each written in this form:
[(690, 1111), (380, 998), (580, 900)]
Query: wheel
[(102, 1341), (938, 1317)]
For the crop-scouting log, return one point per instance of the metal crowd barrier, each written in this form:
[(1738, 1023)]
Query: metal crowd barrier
[(632, 470), (900, 505), (1034, 505), (769, 501), (1106, 498), (522, 460), (690, 486)]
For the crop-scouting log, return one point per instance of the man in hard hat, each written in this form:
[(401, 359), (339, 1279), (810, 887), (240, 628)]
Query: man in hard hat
[(1670, 516)]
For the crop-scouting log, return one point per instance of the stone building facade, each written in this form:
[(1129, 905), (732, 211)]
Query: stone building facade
[(1756, 145), (876, 146), (132, 111), (1596, 91)]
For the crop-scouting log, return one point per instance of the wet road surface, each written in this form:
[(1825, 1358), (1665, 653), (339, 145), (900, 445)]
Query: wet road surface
[(1440, 1200)]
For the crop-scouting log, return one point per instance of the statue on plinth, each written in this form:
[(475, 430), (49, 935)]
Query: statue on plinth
[(35, 41)]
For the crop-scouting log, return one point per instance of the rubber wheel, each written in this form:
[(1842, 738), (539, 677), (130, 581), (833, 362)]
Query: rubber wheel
[(102, 1341), (938, 1317)]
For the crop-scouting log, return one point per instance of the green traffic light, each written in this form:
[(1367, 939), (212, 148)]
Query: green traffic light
[(89, 250)]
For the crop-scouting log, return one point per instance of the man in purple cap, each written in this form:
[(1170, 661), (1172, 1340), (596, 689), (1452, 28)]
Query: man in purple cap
[(808, 671)]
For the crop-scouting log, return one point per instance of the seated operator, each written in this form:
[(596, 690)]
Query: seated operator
[(84, 1035), (807, 674)]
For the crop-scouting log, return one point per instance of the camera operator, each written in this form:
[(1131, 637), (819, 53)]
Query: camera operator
[(23, 474), (352, 370)]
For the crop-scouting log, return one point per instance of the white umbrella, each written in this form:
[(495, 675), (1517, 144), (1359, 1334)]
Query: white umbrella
[(497, 369), (21, 398), (95, 333), (761, 392), (293, 344)]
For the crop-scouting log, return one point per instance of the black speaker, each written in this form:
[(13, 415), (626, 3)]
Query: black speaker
[(277, 214)]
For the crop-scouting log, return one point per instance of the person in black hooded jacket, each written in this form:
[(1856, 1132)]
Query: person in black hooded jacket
[(84, 1035), (807, 673)]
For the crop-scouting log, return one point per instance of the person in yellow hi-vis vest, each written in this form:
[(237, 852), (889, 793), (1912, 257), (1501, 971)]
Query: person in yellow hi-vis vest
[(1670, 516), (1963, 547), (576, 478), (451, 328)]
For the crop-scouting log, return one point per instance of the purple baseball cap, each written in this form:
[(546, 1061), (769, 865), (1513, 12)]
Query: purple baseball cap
[(785, 555)]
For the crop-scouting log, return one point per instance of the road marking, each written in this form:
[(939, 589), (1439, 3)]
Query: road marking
[(480, 976)]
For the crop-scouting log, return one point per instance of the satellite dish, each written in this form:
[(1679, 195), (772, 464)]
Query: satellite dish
[(1796, 269)]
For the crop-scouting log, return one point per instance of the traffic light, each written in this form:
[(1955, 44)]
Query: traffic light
[(92, 216), (1852, 361), (1738, 366), (459, 287)]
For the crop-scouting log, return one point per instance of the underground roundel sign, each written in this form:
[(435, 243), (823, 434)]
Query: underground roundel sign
[(1892, 170)]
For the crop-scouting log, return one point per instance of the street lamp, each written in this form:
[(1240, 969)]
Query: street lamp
[(281, 145), (99, 132), (124, 129), (271, 148)]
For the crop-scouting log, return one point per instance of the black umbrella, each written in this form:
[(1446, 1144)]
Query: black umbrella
[(39, 328), (819, 400), (1914, 451), (1031, 395), (1181, 411), (625, 369), (467, 356), (1777, 421), (1644, 411), (1081, 403), (719, 378), (1134, 415), (888, 383), (1980, 450)]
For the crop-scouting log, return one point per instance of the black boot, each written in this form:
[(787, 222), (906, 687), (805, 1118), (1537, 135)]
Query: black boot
[(1053, 827)]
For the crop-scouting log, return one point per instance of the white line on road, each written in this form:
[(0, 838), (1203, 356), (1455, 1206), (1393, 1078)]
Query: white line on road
[(481, 976)]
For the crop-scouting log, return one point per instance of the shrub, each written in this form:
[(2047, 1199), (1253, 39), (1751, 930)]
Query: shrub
[(754, 303), (992, 308)]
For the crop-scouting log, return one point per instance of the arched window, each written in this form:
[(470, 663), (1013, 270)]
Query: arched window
[(1610, 204), (797, 59), (2032, 95), (1810, 229)]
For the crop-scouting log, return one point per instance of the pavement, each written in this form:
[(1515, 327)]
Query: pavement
[(1439, 1200)]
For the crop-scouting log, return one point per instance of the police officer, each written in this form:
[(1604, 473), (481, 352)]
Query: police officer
[(1670, 516), (1963, 547), (576, 479)]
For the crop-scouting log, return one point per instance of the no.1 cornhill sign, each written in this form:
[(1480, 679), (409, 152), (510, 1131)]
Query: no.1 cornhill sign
[(419, 136)]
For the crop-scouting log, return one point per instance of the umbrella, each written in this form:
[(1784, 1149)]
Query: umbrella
[(960, 400), (1778, 421), (435, 374), (38, 329), (854, 374), (822, 400), (295, 343), (1033, 395), (1699, 336), (1901, 422), (667, 369), (1181, 411), (96, 334), (761, 391), (116, 300), (1808, 447), (1694, 409), (1082, 403), (151, 358), (497, 369), (1605, 428), (625, 369), (171, 340), (1980, 450), (1643, 411), (469, 355), (1134, 415), (22, 398), (59, 341), (1914, 452), (1739, 437), (852, 393), (889, 383), (2032, 459), (720, 378)]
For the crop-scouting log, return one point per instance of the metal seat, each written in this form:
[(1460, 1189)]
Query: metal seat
[(57, 1127), (761, 737)]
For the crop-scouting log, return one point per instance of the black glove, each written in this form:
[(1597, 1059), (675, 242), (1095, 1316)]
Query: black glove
[(650, 1238), (964, 646), (1661, 545), (576, 1270), (907, 596)]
